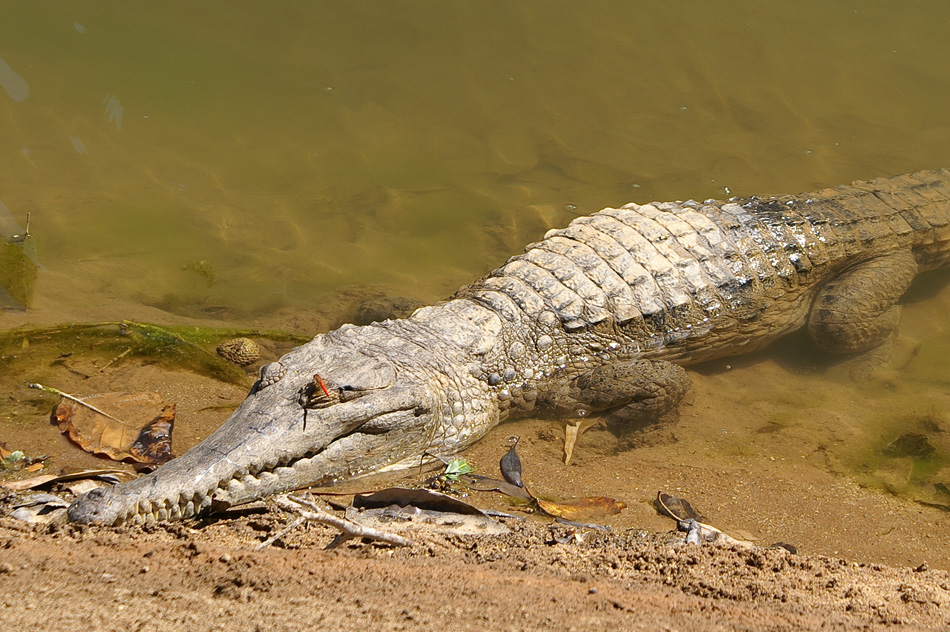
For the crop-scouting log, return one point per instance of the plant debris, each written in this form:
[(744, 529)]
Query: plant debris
[(144, 436), (16, 460), (407, 509), (420, 498), (456, 468), (573, 430), (572, 510), (676, 508), (486, 484), (107, 475), (699, 532), (581, 508), (179, 347), (40, 509), (306, 509), (511, 465)]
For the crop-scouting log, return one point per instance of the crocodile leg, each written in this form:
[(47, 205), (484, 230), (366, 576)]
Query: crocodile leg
[(635, 393), (857, 312)]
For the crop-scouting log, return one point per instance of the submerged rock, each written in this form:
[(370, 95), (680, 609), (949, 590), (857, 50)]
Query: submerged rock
[(911, 444)]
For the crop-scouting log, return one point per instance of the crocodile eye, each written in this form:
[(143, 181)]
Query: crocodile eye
[(347, 393), (316, 394)]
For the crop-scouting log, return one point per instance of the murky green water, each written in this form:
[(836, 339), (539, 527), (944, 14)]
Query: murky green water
[(296, 148), (249, 163)]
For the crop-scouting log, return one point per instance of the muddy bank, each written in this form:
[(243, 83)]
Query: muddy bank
[(539, 577)]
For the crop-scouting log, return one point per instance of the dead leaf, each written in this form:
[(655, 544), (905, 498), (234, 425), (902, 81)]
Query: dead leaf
[(143, 435), (511, 466), (582, 508), (40, 509), (29, 483), (486, 484), (154, 443), (34, 500), (676, 508), (84, 485), (15, 460), (420, 498), (401, 509), (39, 481)]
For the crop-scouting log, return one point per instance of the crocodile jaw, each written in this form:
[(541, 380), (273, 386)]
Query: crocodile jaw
[(272, 444)]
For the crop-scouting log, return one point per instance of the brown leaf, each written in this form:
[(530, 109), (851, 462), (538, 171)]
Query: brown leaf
[(420, 498), (29, 483), (676, 508), (511, 466), (144, 435), (486, 484), (582, 508), (154, 443)]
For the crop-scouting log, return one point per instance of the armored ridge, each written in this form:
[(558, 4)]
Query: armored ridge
[(688, 282), (598, 317)]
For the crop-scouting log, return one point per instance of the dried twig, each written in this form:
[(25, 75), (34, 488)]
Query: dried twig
[(115, 359), (293, 525), (56, 391), (306, 509)]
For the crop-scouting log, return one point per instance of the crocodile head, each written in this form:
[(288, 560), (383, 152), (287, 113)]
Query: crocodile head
[(328, 410)]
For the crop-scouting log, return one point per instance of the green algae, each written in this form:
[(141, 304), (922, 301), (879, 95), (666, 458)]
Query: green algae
[(906, 455), (17, 271), (32, 351)]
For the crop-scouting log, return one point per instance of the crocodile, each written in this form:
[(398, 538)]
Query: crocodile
[(596, 319)]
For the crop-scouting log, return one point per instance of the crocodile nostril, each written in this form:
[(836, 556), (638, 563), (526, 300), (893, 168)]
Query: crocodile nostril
[(271, 374)]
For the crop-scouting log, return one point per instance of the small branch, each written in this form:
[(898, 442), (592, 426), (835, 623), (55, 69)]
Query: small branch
[(115, 359), (307, 510), (56, 391), (293, 525)]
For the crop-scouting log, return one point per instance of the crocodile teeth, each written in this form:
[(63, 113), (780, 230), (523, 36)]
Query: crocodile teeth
[(235, 488), (269, 479), (252, 484)]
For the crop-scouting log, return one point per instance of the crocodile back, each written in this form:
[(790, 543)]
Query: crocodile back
[(688, 279), (866, 219)]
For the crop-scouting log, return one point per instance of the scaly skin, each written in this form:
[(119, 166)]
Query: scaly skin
[(596, 317)]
